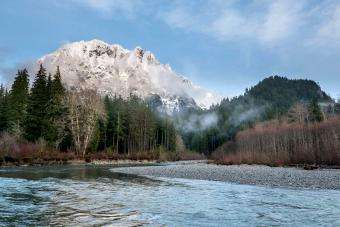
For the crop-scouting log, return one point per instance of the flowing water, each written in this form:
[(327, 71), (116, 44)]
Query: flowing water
[(96, 196)]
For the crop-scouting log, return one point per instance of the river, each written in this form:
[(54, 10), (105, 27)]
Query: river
[(87, 195)]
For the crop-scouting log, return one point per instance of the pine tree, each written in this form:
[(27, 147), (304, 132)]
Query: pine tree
[(110, 121), (4, 109), (49, 132), (57, 96), (116, 124), (56, 109), (337, 107), (315, 113), (49, 88), (18, 100), (58, 90), (36, 120)]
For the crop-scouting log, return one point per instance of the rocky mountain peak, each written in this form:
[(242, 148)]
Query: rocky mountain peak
[(114, 70)]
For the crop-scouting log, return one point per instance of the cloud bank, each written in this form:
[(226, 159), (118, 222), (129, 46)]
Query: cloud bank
[(265, 22)]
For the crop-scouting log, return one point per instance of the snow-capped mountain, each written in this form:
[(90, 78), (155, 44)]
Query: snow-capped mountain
[(113, 70)]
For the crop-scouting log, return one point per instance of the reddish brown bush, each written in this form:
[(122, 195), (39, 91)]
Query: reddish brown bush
[(17, 151), (279, 143)]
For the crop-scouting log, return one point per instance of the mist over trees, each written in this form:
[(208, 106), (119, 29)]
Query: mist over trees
[(272, 98), (303, 130)]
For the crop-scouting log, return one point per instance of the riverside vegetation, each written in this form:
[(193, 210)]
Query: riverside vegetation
[(277, 122), (49, 123)]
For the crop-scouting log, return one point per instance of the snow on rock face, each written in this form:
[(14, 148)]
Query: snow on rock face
[(113, 70)]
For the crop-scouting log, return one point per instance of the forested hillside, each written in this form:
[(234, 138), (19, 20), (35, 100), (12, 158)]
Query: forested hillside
[(280, 93), (272, 98), (297, 124)]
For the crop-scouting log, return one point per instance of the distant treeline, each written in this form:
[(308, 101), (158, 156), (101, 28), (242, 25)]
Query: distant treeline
[(77, 120)]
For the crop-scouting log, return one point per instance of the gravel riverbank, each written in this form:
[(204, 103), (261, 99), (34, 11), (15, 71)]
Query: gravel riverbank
[(242, 174)]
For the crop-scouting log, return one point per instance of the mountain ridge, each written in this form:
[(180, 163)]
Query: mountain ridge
[(114, 70)]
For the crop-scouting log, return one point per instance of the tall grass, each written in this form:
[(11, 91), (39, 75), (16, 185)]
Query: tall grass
[(280, 143)]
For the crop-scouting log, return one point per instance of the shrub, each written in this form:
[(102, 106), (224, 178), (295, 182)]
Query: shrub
[(279, 143)]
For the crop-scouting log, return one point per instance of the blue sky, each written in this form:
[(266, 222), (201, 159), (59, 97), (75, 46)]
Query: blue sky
[(222, 45)]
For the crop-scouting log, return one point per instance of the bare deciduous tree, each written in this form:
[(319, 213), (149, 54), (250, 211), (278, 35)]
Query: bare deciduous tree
[(85, 107), (298, 113), (282, 143)]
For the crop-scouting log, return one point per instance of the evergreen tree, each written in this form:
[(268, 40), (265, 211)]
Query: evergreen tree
[(56, 109), (315, 113), (4, 109), (119, 128), (58, 93), (110, 122), (58, 90), (132, 127), (18, 100), (49, 88), (57, 96), (98, 142), (36, 120), (49, 132), (337, 107)]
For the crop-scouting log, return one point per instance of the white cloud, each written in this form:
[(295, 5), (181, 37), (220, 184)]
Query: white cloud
[(268, 22), (282, 20), (231, 25), (328, 33), (178, 17), (109, 8)]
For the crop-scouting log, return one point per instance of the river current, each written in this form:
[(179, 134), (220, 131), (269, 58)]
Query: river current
[(86, 195)]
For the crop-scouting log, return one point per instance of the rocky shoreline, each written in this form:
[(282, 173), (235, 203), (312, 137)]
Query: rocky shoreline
[(82, 162), (242, 174)]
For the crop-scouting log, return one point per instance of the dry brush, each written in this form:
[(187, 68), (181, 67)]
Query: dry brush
[(280, 143)]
